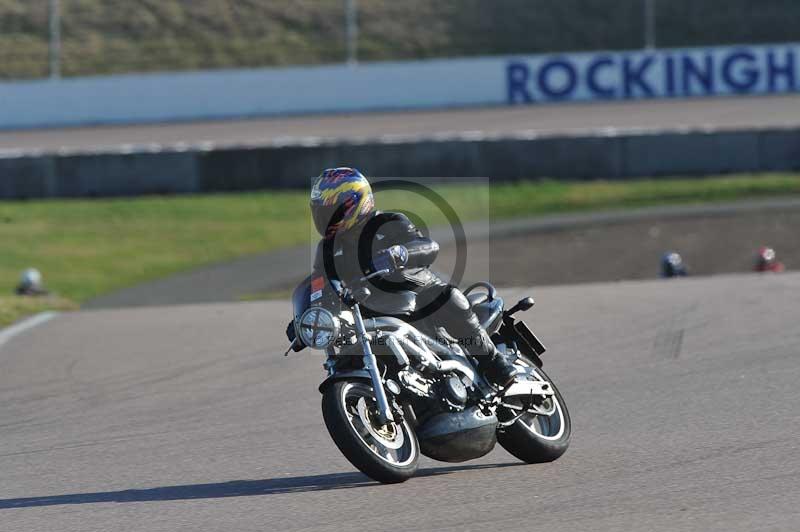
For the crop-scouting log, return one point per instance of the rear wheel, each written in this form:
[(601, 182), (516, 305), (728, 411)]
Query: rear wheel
[(388, 453), (536, 438)]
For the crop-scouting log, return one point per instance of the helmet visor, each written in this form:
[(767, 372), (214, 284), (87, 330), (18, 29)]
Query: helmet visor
[(327, 217)]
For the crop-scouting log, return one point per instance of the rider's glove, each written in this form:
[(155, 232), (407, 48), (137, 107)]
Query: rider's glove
[(392, 259)]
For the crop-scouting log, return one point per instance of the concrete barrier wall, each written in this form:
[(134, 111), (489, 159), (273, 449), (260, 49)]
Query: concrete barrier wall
[(510, 80), (609, 156)]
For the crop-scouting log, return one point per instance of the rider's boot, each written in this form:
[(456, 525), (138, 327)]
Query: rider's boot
[(495, 366), (460, 321)]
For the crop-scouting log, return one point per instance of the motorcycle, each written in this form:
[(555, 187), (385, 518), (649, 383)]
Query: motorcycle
[(394, 392)]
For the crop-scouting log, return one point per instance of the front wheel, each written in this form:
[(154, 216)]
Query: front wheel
[(537, 438), (388, 453)]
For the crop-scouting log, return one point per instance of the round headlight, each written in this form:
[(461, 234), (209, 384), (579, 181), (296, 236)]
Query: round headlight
[(318, 328)]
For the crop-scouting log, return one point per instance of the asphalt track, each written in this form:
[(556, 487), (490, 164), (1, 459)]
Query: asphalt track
[(683, 394), (718, 113)]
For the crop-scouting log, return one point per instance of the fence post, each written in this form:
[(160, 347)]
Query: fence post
[(54, 49), (351, 30), (650, 24)]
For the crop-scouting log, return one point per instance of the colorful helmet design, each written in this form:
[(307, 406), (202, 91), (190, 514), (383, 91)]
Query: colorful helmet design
[(340, 199)]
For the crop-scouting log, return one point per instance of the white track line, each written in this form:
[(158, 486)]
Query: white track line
[(25, 325)]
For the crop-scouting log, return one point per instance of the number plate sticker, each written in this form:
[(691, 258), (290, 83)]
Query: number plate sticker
[(317, 285)]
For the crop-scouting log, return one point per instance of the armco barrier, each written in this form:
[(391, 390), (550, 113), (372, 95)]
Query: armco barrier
[(98, 174), (779, 150), (692, 153), (608, 155), (31, 176)]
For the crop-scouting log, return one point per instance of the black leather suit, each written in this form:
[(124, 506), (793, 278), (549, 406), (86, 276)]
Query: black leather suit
[(415, 293)]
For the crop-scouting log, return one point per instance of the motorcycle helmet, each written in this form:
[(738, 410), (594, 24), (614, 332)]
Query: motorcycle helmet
[(767, 261), (672, 265), (341, 198), (30, 282)]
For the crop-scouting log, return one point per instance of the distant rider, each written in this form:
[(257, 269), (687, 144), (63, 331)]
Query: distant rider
[(358, 240), (767, 261), (672, 265), (31, 284)]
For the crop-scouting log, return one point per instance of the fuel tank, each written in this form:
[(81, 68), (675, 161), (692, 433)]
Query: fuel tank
[(458, 436)]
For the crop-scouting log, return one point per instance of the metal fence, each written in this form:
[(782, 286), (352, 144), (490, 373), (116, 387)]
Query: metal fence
[(40, 38)]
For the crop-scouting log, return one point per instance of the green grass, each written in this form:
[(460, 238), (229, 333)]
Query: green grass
[(85, 248), (111, 36), (13, 308), (548, 197), (88, 247)]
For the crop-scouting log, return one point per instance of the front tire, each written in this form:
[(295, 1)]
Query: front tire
[(537, 439), (388, 454)]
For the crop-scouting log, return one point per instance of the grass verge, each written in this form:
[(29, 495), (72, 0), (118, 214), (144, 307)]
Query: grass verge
[(88, 247), (13, 308)]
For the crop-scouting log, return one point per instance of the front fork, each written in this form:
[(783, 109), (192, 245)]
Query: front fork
[(371, 365)]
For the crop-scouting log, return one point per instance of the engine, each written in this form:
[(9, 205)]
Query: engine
[(444, 392), (451, 392)]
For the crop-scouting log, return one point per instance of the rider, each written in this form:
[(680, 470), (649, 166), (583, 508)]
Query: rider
[(767, 261), (672, 265), (31, 284), (358, 240)]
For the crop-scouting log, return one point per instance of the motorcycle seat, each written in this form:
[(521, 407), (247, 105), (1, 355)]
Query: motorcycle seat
[(489, 311)]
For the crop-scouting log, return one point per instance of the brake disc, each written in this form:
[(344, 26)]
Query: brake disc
[(388, 435)]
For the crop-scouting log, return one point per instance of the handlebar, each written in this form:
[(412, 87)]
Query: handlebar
[(379, 273), (347, 293)]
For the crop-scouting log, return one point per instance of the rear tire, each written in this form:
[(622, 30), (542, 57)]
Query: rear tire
[(534, 440), (387, 454)]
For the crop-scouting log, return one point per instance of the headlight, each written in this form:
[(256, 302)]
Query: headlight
[(318, 328)]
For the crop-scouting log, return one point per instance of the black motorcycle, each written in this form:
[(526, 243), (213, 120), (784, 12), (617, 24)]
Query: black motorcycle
[(394, 391)]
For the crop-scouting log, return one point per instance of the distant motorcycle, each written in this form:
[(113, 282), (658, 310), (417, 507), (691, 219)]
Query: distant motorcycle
[(393, 391)]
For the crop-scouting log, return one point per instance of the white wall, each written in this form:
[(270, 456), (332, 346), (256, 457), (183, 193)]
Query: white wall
[(511, 80)]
